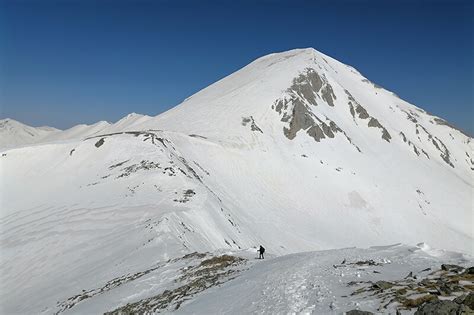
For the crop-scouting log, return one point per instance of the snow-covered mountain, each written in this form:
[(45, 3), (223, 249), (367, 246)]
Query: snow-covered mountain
[(295, 151), (14, 133)]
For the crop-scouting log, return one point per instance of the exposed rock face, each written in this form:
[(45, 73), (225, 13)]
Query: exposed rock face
[(375, 123), (309, 88), (307, 85), (295, 107), (416, 149), (302, 119), (253, 125), (445, 154), (443, 307), (356, 108), (361, 112), (328, 95)]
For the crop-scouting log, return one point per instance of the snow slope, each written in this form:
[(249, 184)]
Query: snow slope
[(295, 151)]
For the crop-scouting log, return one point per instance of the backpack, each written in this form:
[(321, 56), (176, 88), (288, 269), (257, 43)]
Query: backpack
[(262, 249)]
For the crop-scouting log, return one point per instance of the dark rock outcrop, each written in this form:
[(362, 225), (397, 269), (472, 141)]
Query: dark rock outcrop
[(99, 143), (467, 300), (357, 312), (452, 268), (443, 307)]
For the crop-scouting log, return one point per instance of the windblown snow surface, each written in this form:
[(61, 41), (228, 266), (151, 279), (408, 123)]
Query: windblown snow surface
[(296, 151)]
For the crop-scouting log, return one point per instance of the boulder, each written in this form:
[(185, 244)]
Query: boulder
[(452, 268), (443, 307), (357, 312), (467, 300), (469, 271)]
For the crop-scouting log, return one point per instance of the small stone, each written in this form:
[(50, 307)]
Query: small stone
[(382, 285)]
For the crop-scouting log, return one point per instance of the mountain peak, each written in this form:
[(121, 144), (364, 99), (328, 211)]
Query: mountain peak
[(304, 95)]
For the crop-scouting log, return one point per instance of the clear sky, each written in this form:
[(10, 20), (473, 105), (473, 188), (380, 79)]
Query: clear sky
[(69, 62)]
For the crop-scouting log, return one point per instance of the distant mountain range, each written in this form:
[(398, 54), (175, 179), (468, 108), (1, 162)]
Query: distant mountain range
[(15, 134)]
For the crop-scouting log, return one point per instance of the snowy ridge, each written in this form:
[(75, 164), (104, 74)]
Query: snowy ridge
[(77, 132), (296, 151), (14, 133)]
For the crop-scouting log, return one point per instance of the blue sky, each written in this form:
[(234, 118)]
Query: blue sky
[(69, 62)]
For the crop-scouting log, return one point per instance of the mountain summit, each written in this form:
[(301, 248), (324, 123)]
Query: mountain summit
[(295, 151)]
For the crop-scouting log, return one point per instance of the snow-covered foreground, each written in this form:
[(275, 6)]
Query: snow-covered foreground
[(224, 282), (316, 282)]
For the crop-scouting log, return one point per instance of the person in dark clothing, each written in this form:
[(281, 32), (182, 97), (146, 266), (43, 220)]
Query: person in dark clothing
[(261, 250)]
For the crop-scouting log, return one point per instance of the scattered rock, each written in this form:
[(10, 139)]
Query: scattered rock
[(187, 195), (117, 165), (208, 273), (426, 282), (144, 165), (445, 289), (409, 294), (253, 125), (367, 263)]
